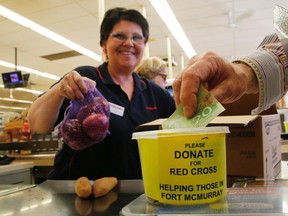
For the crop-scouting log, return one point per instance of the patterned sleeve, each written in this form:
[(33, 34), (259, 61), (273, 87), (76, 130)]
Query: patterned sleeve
[(270, 64)]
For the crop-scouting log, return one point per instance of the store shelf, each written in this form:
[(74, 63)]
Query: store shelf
[(34, 146)]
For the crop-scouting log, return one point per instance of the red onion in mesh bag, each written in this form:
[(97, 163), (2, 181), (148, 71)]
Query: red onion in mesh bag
[(87, 121)]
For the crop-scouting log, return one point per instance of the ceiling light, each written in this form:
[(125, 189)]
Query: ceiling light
[(12, 108), (18, 100), (6, 64), (168, 17), (22, 68), (11, 15), (15, 100), (29, 91), (26, 90)]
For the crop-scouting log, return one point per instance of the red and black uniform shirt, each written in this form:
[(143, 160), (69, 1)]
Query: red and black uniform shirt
[(117, 155)]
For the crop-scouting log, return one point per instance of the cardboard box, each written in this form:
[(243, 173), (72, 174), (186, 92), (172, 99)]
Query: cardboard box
[(253, 144)]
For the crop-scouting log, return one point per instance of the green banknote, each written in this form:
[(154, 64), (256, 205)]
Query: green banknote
[(208, 109)]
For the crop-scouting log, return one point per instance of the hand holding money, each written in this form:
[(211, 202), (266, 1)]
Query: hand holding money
[(207, 109), (227, 81)]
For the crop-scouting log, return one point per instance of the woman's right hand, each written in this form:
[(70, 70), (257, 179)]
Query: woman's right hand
[(72, 86), (46, 107)]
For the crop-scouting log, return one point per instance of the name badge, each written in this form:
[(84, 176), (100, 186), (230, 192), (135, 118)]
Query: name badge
[(116, 109)]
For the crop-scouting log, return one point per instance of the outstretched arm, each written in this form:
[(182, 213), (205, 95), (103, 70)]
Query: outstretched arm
[(263, 72)]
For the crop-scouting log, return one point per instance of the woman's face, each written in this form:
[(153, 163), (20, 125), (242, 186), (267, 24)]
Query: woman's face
[(125, 45)]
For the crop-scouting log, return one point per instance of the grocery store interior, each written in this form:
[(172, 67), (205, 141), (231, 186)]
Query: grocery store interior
[(230, 28)]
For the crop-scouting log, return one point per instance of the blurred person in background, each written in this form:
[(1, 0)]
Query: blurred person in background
[(154, 69)]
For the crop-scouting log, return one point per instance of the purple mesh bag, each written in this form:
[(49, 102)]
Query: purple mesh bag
[(87, 121)]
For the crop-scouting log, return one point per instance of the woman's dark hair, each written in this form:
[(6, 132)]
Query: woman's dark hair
[(115, 15)]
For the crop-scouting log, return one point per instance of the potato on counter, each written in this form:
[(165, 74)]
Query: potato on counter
[(103, 185), (100, 187), (83, 187)]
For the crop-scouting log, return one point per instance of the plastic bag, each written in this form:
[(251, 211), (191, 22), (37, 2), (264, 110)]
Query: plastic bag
[(87, 121)]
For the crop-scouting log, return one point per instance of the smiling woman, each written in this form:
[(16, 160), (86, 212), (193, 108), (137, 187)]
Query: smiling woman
[(123, 35)]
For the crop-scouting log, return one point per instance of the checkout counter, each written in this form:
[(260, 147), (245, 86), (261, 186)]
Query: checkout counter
[(16, 173), (40, 159), (58, 198)]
